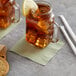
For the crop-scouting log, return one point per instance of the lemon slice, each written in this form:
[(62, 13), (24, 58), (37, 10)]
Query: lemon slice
[(29, 5)]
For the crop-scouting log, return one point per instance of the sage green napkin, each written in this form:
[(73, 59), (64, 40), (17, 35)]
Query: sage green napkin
[(4, 32), (41, 56)]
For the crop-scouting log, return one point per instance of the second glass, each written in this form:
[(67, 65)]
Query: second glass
[(9, 13)]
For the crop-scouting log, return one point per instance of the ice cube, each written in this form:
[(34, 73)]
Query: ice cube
[(4, 22), (3, 1), (35, 14), (6, 10), (41, 42), (44, 26), (31, 36)]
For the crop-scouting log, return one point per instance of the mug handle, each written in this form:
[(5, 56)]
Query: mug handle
[(55, 33), (17, 13)]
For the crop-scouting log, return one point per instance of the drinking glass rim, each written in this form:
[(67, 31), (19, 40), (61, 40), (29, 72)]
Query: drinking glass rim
[(45, 2)]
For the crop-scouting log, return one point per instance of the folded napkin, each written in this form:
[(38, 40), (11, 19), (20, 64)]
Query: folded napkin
[(4, 32), (41, 56)]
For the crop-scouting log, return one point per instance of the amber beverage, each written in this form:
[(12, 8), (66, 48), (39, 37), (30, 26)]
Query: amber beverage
[(7, 13), (40, 25)]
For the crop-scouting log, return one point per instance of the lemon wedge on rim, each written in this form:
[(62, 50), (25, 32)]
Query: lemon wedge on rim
[(29, 5)]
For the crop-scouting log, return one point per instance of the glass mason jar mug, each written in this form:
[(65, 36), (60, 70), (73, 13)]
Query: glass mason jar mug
[(40, 28), (9, 13)]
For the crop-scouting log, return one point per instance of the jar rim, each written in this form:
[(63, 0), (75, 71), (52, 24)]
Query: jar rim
[(45, 2)]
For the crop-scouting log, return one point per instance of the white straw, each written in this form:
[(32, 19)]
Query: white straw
[(68, 39), (68, 28)]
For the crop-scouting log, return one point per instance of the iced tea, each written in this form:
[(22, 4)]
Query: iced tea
[(7, 13), (40, 25)]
